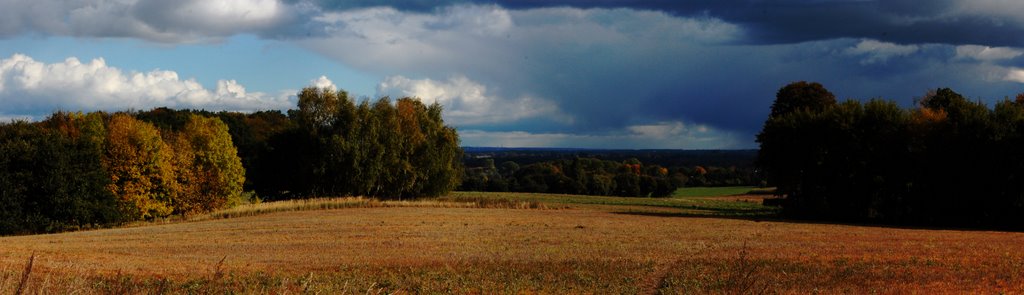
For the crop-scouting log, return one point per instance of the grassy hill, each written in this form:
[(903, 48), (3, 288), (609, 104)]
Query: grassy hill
[(512, 243)]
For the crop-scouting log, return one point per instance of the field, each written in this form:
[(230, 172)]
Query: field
[(712, 191), (512, 243)]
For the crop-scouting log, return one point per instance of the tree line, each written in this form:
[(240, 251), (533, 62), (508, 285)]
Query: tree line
[(591, 176), (946, 161), (80, 170), (670, 158), (334, 145), (77, 170)]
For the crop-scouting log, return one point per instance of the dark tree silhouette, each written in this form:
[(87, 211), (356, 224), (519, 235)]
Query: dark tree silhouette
[(948, 161), (802, 95)]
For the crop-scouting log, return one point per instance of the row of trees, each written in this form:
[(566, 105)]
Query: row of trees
[(333, 145), (947, 161), (508, 176), (78, 170), (584, 176)]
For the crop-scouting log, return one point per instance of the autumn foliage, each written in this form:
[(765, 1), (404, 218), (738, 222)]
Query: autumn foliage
[(139, 163), (332, 145), (209, 171), (76, 170)]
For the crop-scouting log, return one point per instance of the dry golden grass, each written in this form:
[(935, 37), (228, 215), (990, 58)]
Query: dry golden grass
[(420, 248), (361, 202)]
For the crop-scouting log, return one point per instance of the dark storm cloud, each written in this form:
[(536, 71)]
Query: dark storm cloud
[(603, 71), (985, 22), (988, 22), (904, 22), (994, 23)]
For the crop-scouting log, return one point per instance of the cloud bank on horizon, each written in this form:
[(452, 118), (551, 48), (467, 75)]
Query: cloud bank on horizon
[(606, 73)]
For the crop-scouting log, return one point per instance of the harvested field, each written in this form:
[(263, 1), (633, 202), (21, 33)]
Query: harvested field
[(471, 250)]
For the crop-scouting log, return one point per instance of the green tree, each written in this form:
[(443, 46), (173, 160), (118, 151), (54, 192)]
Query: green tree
[(320, 110), (52, 178), (440, 157), (252, 134), (400, 149), (941, 99)]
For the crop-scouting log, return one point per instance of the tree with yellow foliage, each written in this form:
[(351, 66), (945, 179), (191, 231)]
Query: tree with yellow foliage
[(207, 166), (139, 163)]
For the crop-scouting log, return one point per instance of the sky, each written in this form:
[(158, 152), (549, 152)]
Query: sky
[(631, 74)]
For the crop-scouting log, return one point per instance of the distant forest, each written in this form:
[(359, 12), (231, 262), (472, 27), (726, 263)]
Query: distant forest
[(946, 161), (627, 173), (475, 156)]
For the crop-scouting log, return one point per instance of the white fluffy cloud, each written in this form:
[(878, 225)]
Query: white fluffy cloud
[(986, 53), (663, 135), (154, 20), (383, 38), (467, 102), (1014, 75), (665, 130), (323, 82), (874, 51), (30, 87), (998, 12)]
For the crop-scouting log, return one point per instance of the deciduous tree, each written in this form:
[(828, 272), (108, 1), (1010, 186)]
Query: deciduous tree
[(208, 168), (139, 163), (810, 96)]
